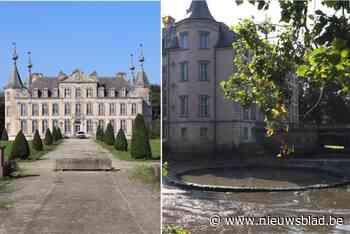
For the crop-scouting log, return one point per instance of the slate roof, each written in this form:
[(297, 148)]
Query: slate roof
[(199, 10), (15, 81)]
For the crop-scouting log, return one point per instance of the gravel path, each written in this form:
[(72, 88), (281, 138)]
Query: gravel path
[(80, 202)]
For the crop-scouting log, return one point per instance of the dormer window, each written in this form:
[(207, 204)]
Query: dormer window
[(66, 92), (112, 92), (35, 93), (45, 92), (77, 92), (55, 92), (101, 92), (123, 92), (204, 40), (184, 40)]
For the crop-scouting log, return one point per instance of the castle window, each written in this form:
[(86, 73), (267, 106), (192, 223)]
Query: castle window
[(133, 108), (35, 93), (246, 114), (184, 71), (77, 92), (44, 126), (123, 125), (245, 133), (7, 111), (66, 92), (183, 132), (78, 109), (203, 71), (101, 123), (204, 40), (89, 126), (253, 112), (101, 109), (23, 109), (184, 105), (35, 109), (67, 126), (55, 92), (89, 109), (112, 109), (34, 125), (44, 109), (55, 123), (101, 92), (55, 109), (123, 92), (122, 109), (23, 126), (165, 132), (89, 92), (112, 92), (45, 93), (203, 105), (203, 132), (66, 109), (184, 40)]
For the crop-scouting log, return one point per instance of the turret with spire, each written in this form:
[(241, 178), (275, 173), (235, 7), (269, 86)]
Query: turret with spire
[(15, 81), (199, 10), (141, 77), (30, 66), (132, 68)]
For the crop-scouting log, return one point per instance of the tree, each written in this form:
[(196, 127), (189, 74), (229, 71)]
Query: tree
[(37, 142), (140, 146), (108, 137), (20, 147), (318, 52), (99, 133), (55, 134), (60, 136), (4, 136), (121, 143), (48, 137)]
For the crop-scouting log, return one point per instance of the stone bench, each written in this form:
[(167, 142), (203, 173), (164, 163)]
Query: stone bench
[(83, 164)]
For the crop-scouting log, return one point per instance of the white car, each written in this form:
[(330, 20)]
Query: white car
[(81, 135)]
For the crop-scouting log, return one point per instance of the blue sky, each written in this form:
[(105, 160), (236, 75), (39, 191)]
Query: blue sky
[(86, 35)]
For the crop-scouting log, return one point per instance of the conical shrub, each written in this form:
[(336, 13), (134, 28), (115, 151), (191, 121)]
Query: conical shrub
[(140, 146), (55, 135), (20, 147), (121, 143), (37, 143), (108, 137), (99, 133), (48, 137), (4, 136), (60, 136)]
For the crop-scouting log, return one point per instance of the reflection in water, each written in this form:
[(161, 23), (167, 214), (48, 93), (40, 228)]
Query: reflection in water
[(192, 209)]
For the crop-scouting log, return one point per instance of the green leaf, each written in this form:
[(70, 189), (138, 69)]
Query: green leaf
[(344, 53), (302, 70)]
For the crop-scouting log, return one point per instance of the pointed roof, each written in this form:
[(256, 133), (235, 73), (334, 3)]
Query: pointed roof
[(141, 79), (15, 81), (199, 10)]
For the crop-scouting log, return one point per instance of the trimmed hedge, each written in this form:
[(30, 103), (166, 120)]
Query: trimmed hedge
[(99, 133), (55, 135), (140, 146), (20, 147), (48, 137), (121, 143), (4, 136), (108, 137), (37, 142)]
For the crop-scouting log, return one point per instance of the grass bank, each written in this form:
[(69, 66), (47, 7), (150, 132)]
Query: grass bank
[(155, 146), (147, 174), (34, 154)]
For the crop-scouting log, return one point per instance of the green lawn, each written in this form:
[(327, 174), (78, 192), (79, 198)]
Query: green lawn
[(34, 155), (155, 146)]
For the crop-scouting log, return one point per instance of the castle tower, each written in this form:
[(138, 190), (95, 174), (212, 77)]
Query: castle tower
[(13, 89)]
